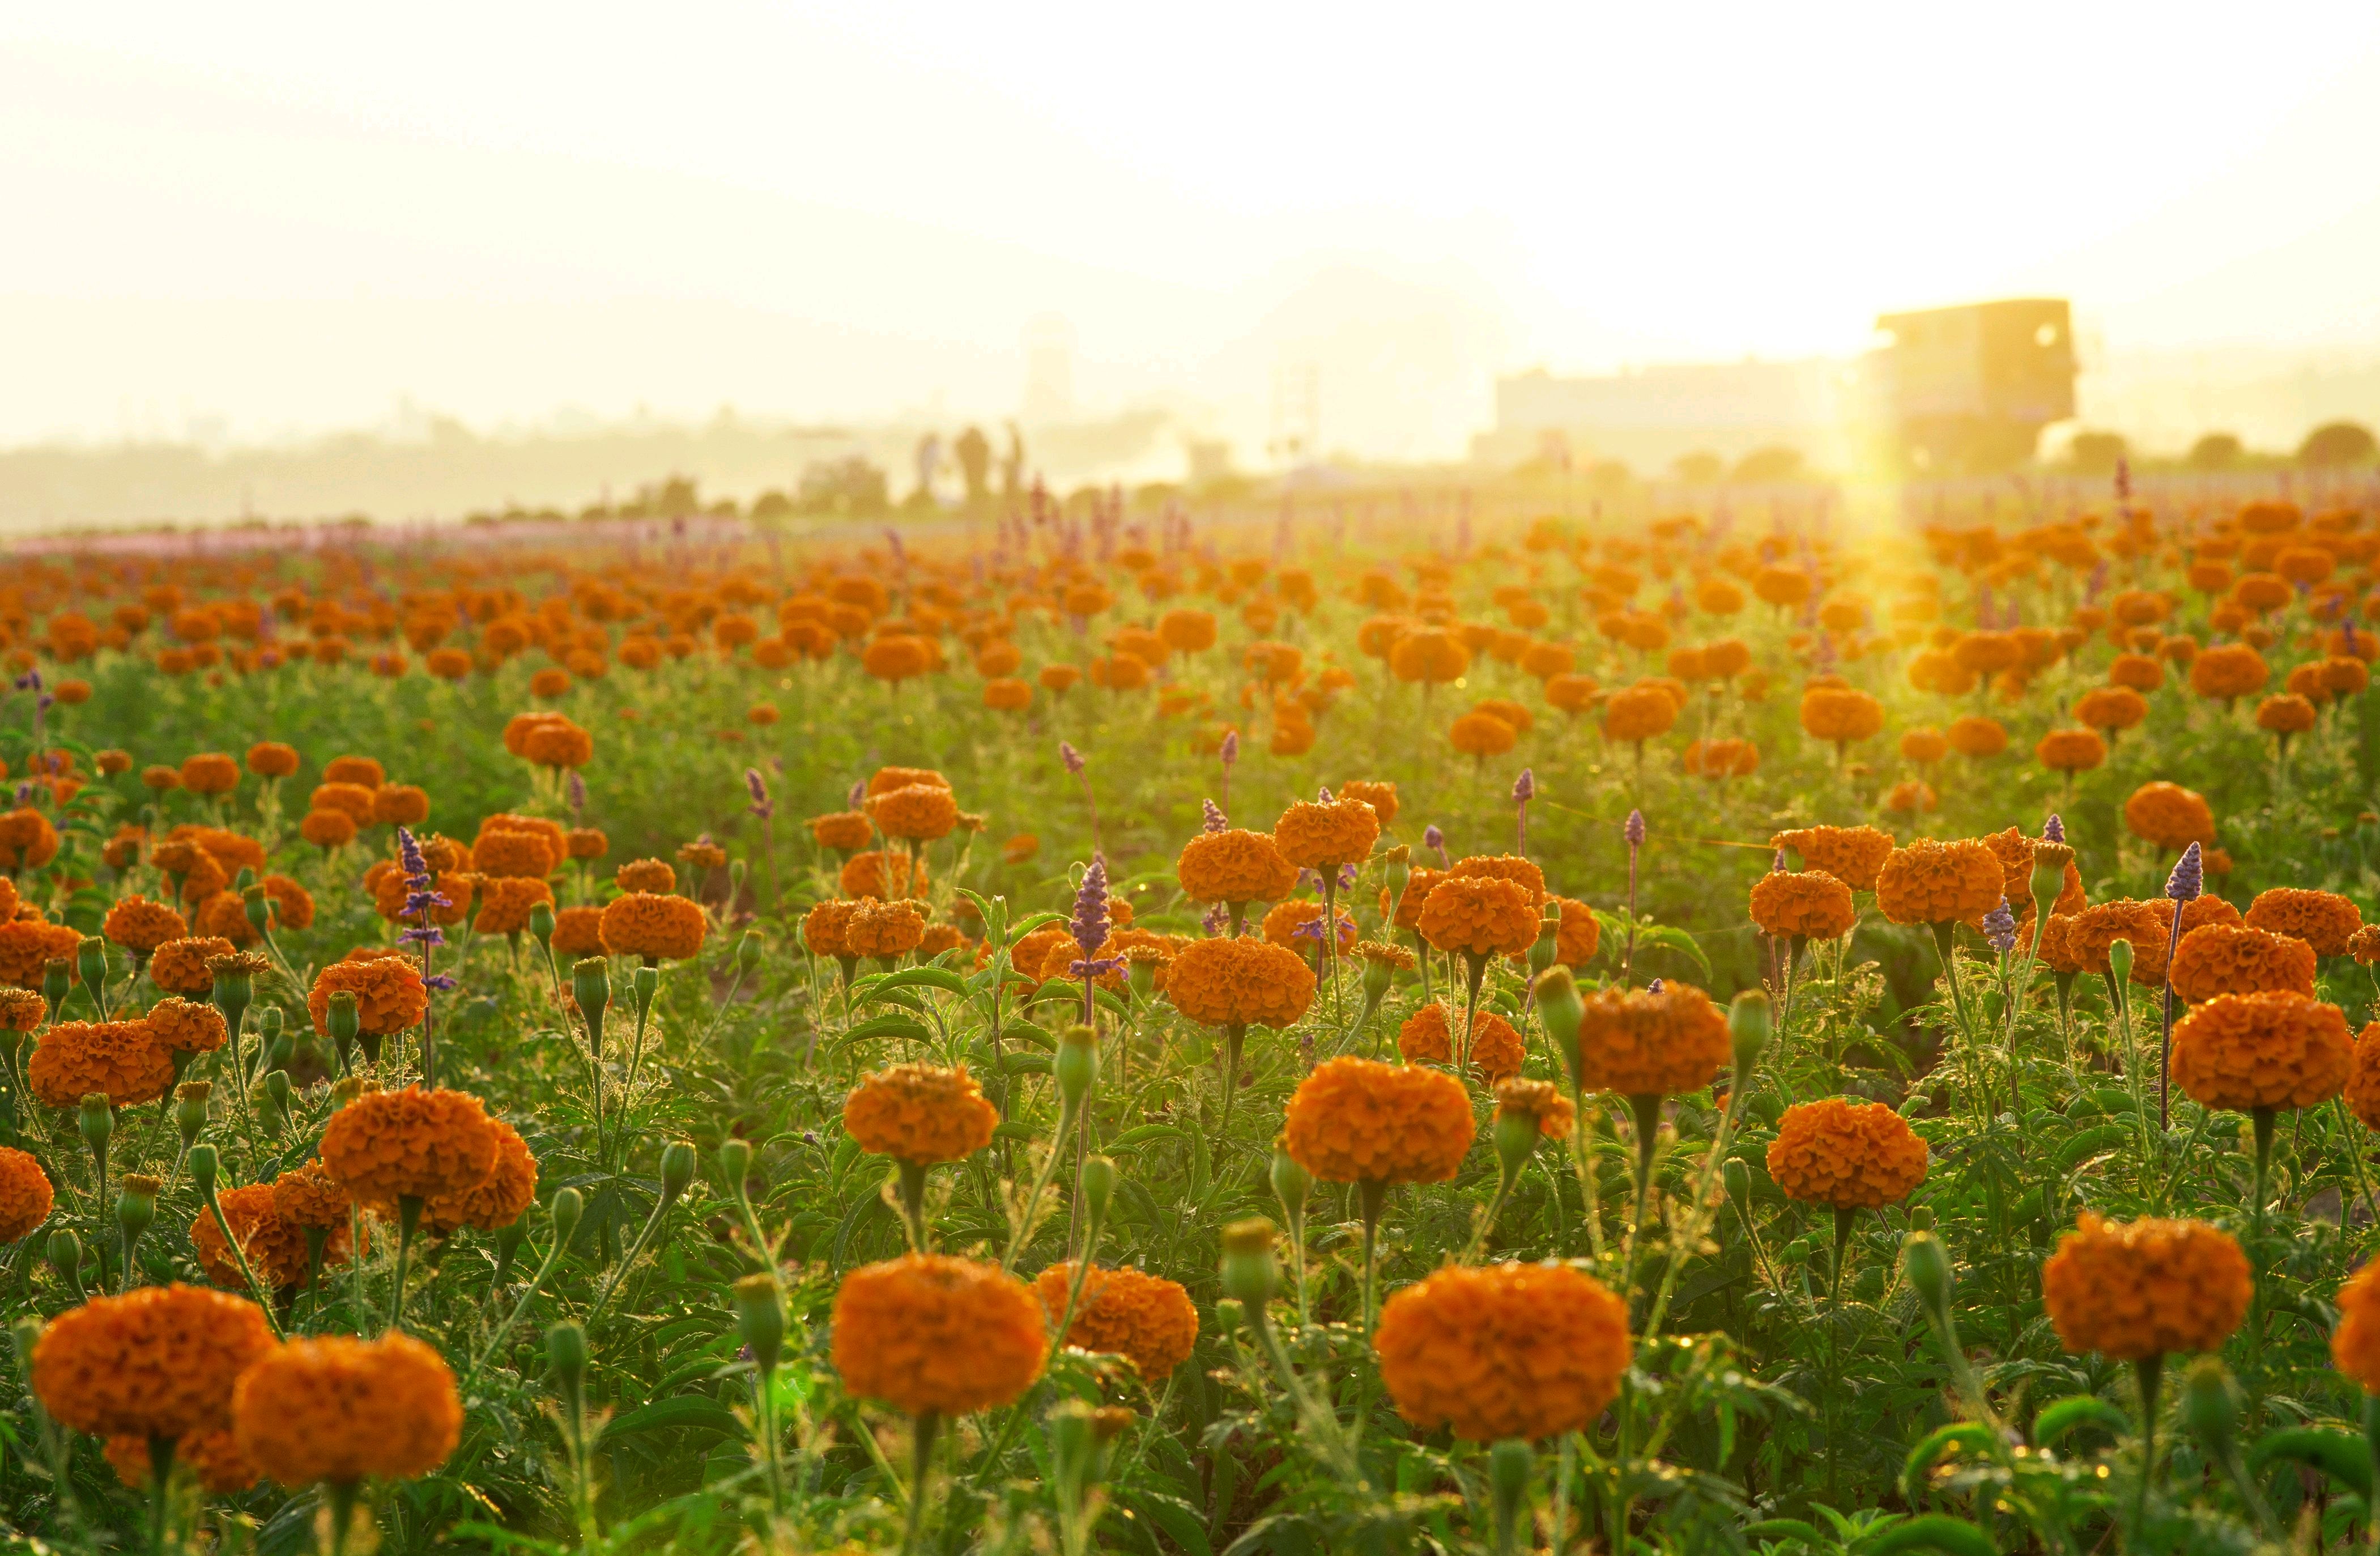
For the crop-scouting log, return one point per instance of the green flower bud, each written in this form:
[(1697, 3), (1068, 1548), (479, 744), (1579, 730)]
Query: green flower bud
[(1514, 1133), (2119, 962), (1230, 1313), (1737, 1177), (276, 1086), (1397, 871), (590, 987), (568, 1207), (2210, 1404), (644, 983), (1077, 1065), (566, 1358), (203, 1166), (540, 923), (344, 1023), (1249, 1273), (1562, 1010), (509, 1238), (762, 1320), (1548, 946), (1292, 1183), (191, 1110), (64, 1253), (747, 951), (1098, 1186), (678, 1170), (136, 1207), (255, 908), (1928, 1266), (1142, 975), (90, 962), (96, 1118), (1749, 1022), (735, 1164), (57, 979)]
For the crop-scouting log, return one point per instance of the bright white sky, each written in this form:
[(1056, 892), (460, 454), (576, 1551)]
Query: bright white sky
[(289, 216)]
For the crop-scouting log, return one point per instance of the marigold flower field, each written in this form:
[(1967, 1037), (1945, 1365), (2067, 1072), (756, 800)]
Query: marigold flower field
[(1103, 1032)]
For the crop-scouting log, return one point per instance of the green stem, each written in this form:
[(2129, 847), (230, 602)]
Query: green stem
[(921, 1465)]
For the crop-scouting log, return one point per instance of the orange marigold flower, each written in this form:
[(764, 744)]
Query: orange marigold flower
[(123, 1059), (2016, 855), (920, 1113), (843, 831), (1505, 867), (2071, 750), (309, 1196), (2355, 1344), (2228, 671), (579, 932), (387, 1147), (400, 805), (2236, 959), (1850, 1155), (1579, 936), (1507, 1351), (645, 875), (142, 926), (506, 854), (2364, 1076), (338, 1409), (1281, 924), (886, 930), (1380, 795), (2132, 1291), (1325, 834), (1540, 1099), (327, 829), (179, 966), (1427, 1036), (1638, 713), (1840, 714), (2169, 816), (1809, 905), (25, 1197), (209, 772), (276, 1249), (495, 1204), (826, 929), (1482, 915), (1645, 1042), (1977, 737), (389, 995), (158, 1361), (923, 811), (183, 1026), (1146, 1318), (1235, 867), (1852, 855), (1934, 882), (2285, 715), (1354, 1120), (2272, 1050), (29, 945), (27, 840), (214, 1456), (587, 844), (1481, 734), (506, 903), (2108, 708), (2323, 919), (1238, 982), (884, 780), (270, 758), (884, 873), (929, 1334), (653, 927)]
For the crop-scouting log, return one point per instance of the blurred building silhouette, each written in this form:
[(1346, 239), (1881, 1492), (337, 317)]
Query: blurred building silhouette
[(1956, 390), (1650, 417)]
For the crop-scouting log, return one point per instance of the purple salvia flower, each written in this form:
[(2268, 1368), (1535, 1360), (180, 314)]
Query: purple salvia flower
[(1231, 748), (1347, 874), (577, 792), (1524, 787), (1778, 863), (1433, 838), (1323, 795), (1090, 925), (1633, 829), (2053, 829), (1218, 919), (2189, 877), (1999, 928), (1215, 819), (762, 805), (858, 795), (1071, 757), (439, 981), (408, 855), (1653, 987)]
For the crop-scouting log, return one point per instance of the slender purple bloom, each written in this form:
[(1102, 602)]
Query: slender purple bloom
[(577, 792), (1215, 821), (1653, 987), (1218, 919), (2053, 829), (1633, 830), (1524, 787), (762, 805), (1433, 838), (1347, 874), (1778, 863), (1230, 752), (1071, 757), (2189, 877), (1090, 925), (1999, 928), (858, 793)]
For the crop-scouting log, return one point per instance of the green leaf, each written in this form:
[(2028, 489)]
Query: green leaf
[(2092, 1141), (1937, 1445), (1014, 1131), (683, 1413), (1933, 1531), (1024, 1064), (1029, 1032), (2071, 1414), (1173, 1516), (942, 978), (887, 1027), (1787, 1528), (1031, 923), (1141, 1135), (2342, 1455)]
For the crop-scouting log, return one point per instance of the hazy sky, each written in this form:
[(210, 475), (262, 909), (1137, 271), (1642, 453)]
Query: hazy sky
[(288, 216)]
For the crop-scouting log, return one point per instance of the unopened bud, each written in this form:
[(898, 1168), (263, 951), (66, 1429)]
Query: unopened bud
[(2210, 1404), (1249, 1273), (90, 962), (2119, 962), (1548, 946), (203, 1167), (568, 1207), (540, 923), (65, 1251), (255, 908), (1098, 1186), (96, 1119), (1230, 1313), (590, 989), (644, 983), (191, 1110), (762, 1320), (1292, 1183), (747, 952), (344, 1022), (1750, 1021), (678, 1170), (137, 1206), (1514, 1133), (1561, 1010), (1928, 1264), (734, 1163), (1078, 1064), (57, 979), (566, 1358)]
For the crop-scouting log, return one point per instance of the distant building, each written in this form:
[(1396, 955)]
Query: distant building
[(1649, 417), (1971, 388)]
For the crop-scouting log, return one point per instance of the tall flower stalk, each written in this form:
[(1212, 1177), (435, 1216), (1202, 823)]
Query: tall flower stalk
[(421, 895)]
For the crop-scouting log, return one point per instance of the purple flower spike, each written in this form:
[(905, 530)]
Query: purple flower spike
[(1215, 819), (1323, 795), (1230, 749), (1524, 787), (1778, 863), (1346, 876), (1091, 907), (1634, 829), (1071, 757), (1217, 921), (1999, 928), (2189, 877), (1653, 987), (858, 793), (762, 805), (1434, 839), (2053, 829), (577, 791)]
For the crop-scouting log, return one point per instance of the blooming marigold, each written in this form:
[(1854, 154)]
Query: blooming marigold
[(142, 926), (1840, 714), (1638, 714), (2093, 929), (1354, 1120), (1646, 1042), (389, 994), (2271, 1050), (2071, 750), (882, 873), (922, 811), (2169, 816), (309, 1197), (1848, 1155), (387, 1147), (27, 840), (826, 929), (1234, 866), (1508, 1351), (29, 945), (498, 1201), (506, 903), (2236, 959), (2355, 1344), (846, 832), (1852, 855), (920, 1113), (25, 1197), (1540, 1099), (1380, 795), (1934, 882), (270, 758), (327, 829), (2015, 852), (1237, 982), (2132, 1291), (1427, 1036), (1976, 736), (183, 1026), (1481, 915), (886, 930), (158, 1361), (2364, 1076), (1579, 936), (214, 1456), (653, 927), (2228, 671), (933, 1335), (1808, 905), (2323, 919), (1282, 927), (1325, 834), (276, 1249), (1504, 866), (209, 772), (1146, 1318), (338, 1409), (123, 1059)]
